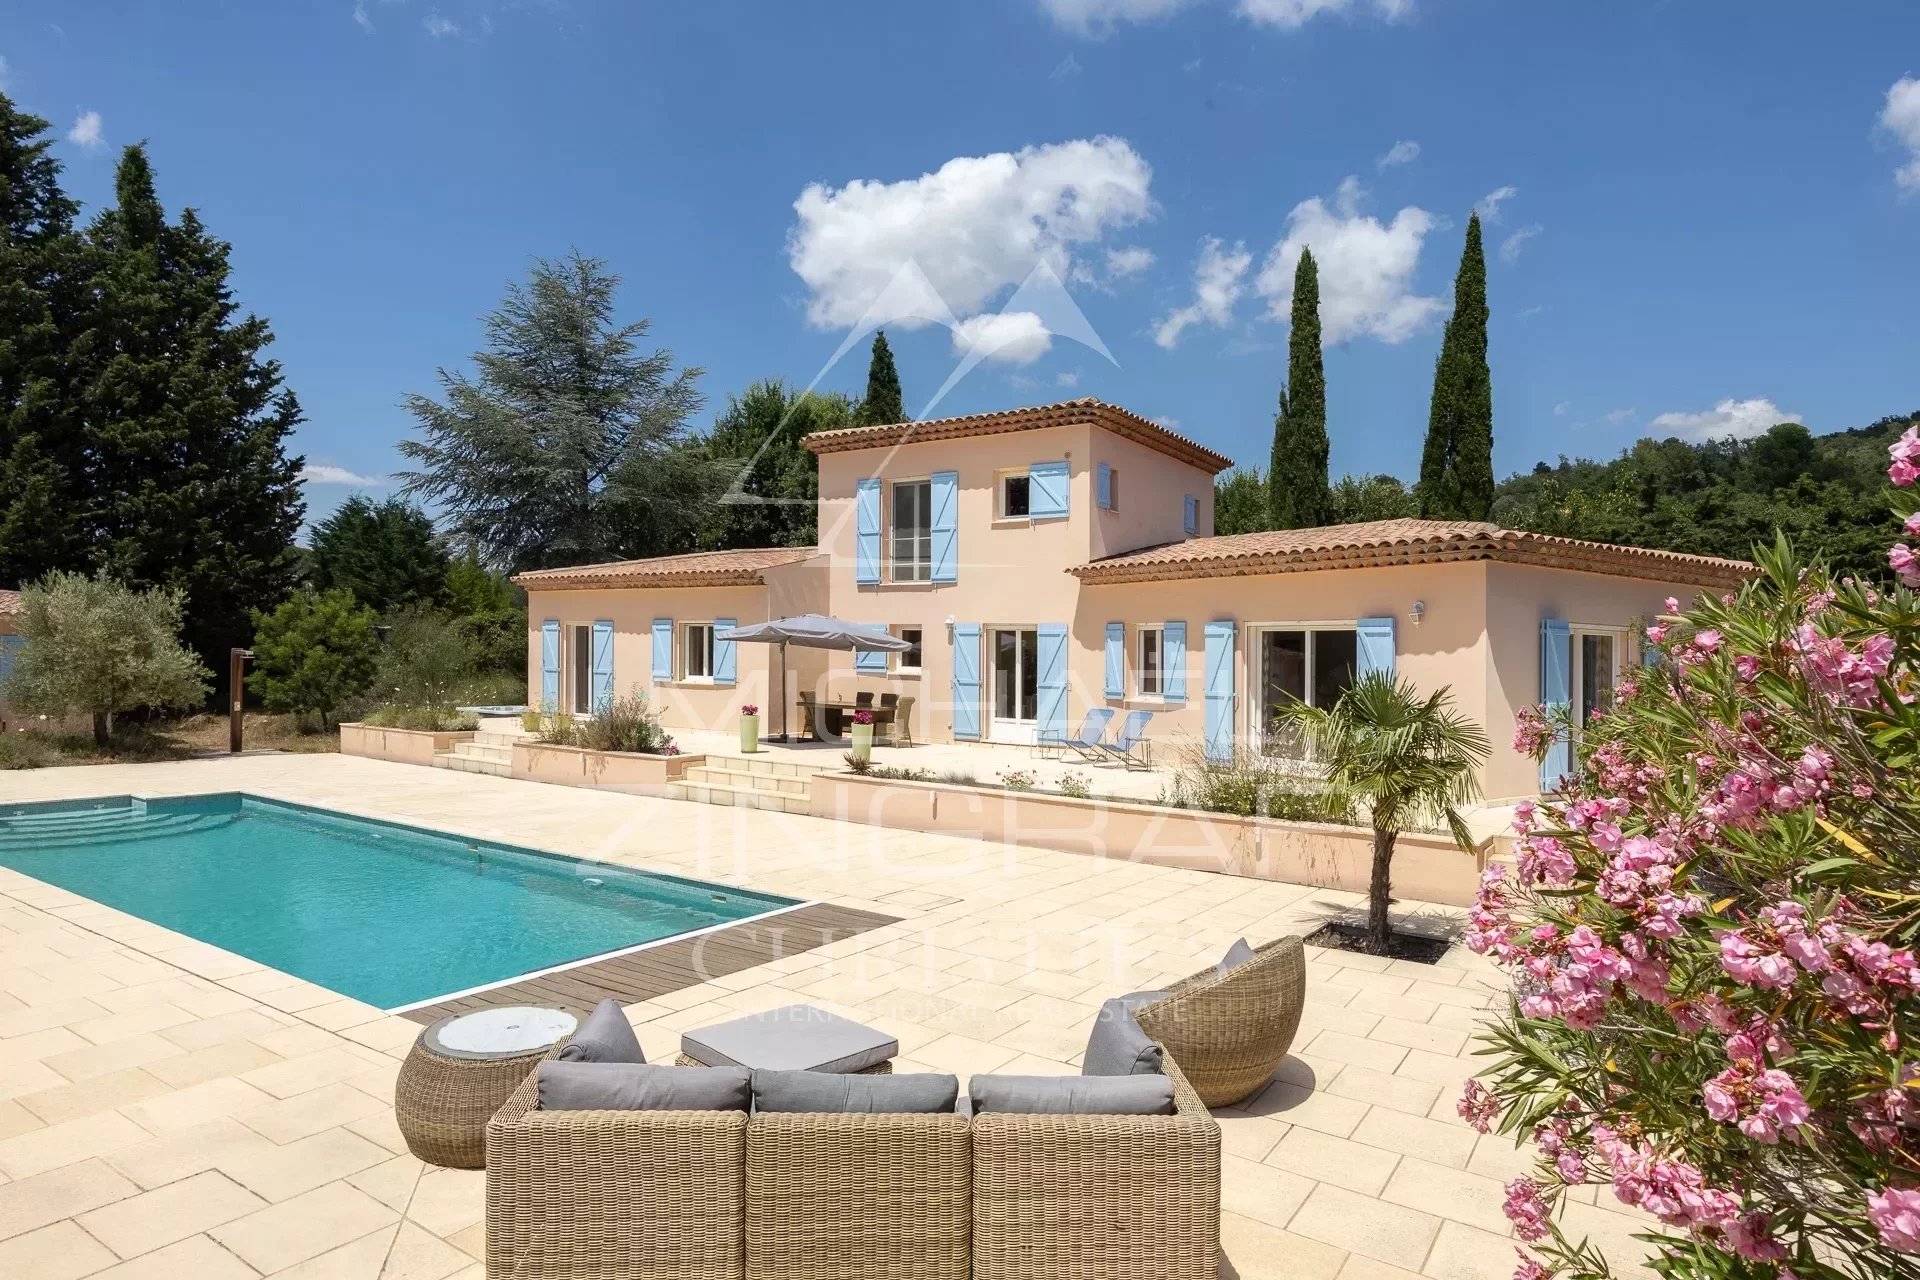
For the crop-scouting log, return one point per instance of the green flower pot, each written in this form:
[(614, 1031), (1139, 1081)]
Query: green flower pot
[(749, 734), (863, 742)]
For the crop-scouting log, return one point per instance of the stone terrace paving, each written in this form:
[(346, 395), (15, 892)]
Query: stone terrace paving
[(169, 1109)]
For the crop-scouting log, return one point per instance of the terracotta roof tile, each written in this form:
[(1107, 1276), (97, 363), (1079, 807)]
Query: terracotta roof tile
[(1389, 542), (695, 569), (10, 602), (1121, 422)]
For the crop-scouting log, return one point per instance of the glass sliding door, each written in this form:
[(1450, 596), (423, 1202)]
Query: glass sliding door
[(1314, 665), (1016, 683)]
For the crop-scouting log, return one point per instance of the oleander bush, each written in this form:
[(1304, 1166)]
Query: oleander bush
[(1711, 931)]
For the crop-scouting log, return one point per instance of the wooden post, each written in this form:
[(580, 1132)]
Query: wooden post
[(236, 685)]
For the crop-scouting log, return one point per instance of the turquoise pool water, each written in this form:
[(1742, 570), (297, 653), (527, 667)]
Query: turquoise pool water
[(389, 914)]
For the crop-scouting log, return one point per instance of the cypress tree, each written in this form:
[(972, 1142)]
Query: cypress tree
[(1456, 464), (883, 402), (41, 453), (1297, 494), (187, 422)]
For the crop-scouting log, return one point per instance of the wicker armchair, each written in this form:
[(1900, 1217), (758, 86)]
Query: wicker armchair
[(1230, 1030), (878, 1197), (1098, 1197), (624, 1195)]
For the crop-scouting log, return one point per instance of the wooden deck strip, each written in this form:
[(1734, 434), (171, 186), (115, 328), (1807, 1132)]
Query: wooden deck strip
[(671, 966)]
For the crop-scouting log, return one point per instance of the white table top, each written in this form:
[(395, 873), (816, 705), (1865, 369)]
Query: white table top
[(501, 1033)]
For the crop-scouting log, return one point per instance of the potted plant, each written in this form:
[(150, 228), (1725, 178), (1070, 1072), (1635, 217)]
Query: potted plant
[(863, 734), (749, 728)]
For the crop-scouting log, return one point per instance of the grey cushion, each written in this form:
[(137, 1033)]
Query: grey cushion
[(606, 1036), (797, 1037), (1117, 1046), (633, 1086), (822, 1091), (1237, 954), (1073, 1095)]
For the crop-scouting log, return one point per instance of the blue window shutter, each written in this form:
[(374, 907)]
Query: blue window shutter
[(1220, 702), (1051, 711), (966, 680), (945, 523), (1106, 487), (1116, 660), (866, 531), (550, 666), (1556, 694), (726, 655), (662, 649), (602, 665), (1173, 661), (1190, 520), (1047, 490), (1375, 643), (871, 660)]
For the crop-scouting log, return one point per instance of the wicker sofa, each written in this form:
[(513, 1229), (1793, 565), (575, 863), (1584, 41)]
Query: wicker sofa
[(664, 1195), (1230, 1030)]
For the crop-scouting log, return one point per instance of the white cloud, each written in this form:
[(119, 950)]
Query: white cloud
[(1902, 119), (974, 227), (361, 18), (1011, 337), (86, 131), (1489, 206), (1366, 268), (1170, 423), (1560, 410), (326, 473), (1741, 419), (1511, 247), (1219, 278), (1068, 378), (439, 27), (1295, 13), (1129, 260), (1402, 152), (1097, 17), (3, 73)]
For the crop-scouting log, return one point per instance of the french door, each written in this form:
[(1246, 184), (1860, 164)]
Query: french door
[(1016, 683)]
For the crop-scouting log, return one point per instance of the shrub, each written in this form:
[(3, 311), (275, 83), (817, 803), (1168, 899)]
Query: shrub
[(427, 662), (1075, 784), (862, 765), (1251, 785), (27, 751), (1016, 779), (313, 653), (1712, 932), (895, 772), (95, 647), (625, 724), (425, 719)]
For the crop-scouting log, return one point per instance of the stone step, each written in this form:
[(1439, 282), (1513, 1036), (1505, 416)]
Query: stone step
[(718, 773), (471, 764), (490, 738), (483, 751), (765, 766), (740, 797)]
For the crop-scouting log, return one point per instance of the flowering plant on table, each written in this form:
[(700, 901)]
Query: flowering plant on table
[(748, 709), (863, 716), (1711, 929)]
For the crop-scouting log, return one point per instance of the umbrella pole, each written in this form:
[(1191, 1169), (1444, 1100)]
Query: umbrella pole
[(784, 739)]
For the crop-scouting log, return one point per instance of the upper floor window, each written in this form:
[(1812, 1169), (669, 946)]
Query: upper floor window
[(1152, 666), (910, 534), (1016, 495)]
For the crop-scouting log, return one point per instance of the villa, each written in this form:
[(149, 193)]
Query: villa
[(1045, 561)]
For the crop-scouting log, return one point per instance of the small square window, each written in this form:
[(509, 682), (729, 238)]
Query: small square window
[(1016, 496), (907, 661), (698, 646)]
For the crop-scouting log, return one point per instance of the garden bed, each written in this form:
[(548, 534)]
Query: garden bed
[(1427, 867), (403, 746), (631, 771)]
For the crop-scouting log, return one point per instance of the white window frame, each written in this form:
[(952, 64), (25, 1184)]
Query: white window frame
[(1158, 634), (687, 649), (577, 668), (1256, 678), (1576, 667), (898, 659), (921, 568), (1000, 481)]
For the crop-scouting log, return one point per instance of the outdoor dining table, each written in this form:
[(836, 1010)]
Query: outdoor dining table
[(834, 716)]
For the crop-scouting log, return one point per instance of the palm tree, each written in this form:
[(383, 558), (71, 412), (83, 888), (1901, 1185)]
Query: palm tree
[(1405, 759)]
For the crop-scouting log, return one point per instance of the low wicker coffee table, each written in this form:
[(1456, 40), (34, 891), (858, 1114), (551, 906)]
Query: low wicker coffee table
[(461, 1069)]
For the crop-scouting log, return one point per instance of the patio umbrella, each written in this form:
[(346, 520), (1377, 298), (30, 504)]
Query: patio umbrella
[(813, 631)]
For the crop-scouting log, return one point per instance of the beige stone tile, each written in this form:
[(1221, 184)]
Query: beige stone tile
[(1325, 1158), (1356, 1051), (195, 1258), (306, 1114), (1309, 1109), (16, 1119), (303, 1227), (340, 1014), (420, 1255), (1415, 1097), (1449, 1193), (37, 1045), (446, 1201), (1495, 1156), (143, 1223), (28, 1204), (1462, 1253), (197, 1104), (186, 1151), (309, 1071), (963, 1056), (1449, 1071), (229, 1058), (1249, 1137), (381, 1129), (1418, 1035), (391, 1182), (1256, 1251), (61, 1251), (359, 1259), (1361, 1267), (1393, 1006), (296, 1040), (116, 1055), (389, 1035), (119, 1026), (1362, 1224), (226, 1027), (1430, 1140), (472, 1241), (51, 1146), (279, 1173), (1261, 1191), (85, 1097)]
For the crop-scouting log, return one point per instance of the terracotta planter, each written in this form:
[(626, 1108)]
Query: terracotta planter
[(749, 734), (863, 742)]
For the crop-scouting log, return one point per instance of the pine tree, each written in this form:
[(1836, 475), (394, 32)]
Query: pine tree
[(1297, 495), (187, 422), (41, 454), (384, 553), (1456, 464), (883, 402)]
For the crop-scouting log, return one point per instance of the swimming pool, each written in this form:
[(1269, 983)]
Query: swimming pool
[(393, 915)]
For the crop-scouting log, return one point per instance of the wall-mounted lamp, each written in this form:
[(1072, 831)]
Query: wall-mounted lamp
[(949, 628), (1418, 611)]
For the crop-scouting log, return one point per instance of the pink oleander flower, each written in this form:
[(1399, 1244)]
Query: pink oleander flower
[(1531, 732), (1895, 1214), (1529, 1269), (1478, 1106), (1526, 1209), (1903, 473), (1912, 524), (1707, 641), (1752, 1237), (1762, 1103), (1904, 563), (1747, 667)]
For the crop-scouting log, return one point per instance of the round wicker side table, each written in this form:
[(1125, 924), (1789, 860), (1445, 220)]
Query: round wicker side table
[(459, 1073)]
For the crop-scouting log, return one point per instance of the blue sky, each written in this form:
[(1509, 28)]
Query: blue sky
[(1713, 210)]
